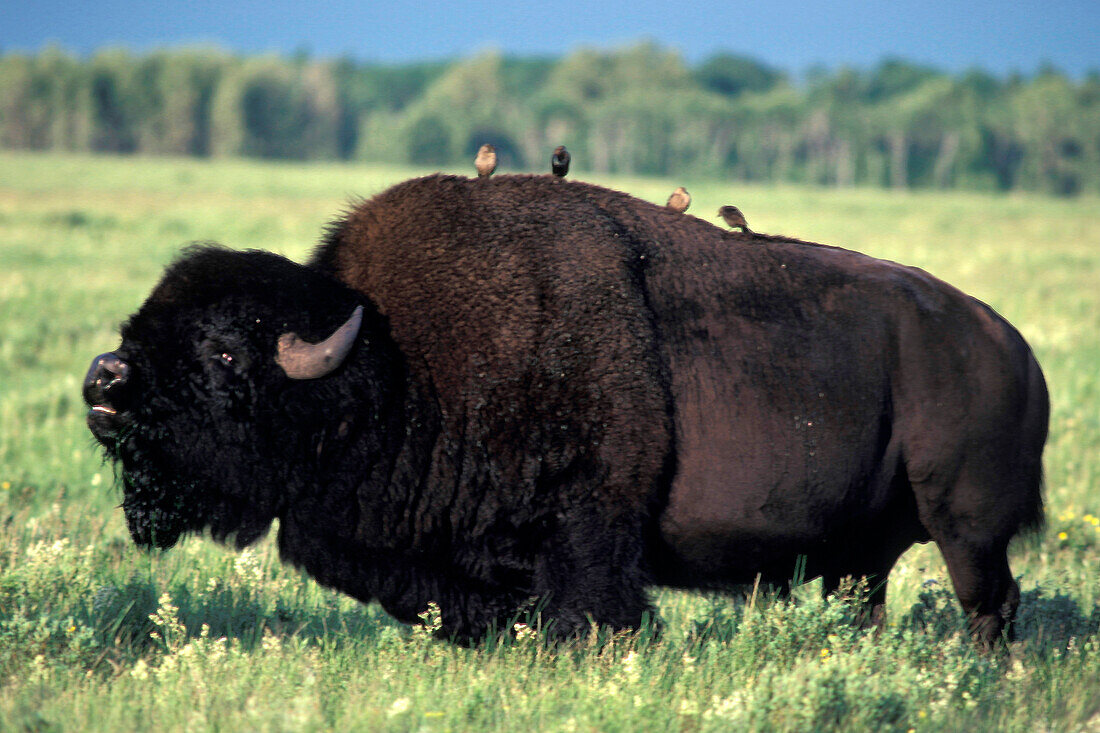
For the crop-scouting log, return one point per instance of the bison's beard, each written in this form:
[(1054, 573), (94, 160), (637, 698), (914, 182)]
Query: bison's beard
[(158, 514), (177, 479), (163, 501)]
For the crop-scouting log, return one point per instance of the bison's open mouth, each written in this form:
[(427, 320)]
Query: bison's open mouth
[(106, 424)]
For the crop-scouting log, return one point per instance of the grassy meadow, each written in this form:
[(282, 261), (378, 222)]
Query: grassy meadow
[(95, 635)]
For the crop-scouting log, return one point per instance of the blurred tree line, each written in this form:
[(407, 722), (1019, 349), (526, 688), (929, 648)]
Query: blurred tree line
[(636, 110)]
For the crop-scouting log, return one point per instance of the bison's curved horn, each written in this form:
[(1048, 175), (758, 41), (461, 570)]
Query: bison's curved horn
[(303, 360)]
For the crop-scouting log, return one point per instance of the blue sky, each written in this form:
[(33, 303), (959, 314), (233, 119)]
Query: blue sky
[(998, 36)]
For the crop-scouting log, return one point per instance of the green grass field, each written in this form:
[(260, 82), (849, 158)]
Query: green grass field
[(95, 635)]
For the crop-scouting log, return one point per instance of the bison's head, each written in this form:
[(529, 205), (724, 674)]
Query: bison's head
[(227, 379)]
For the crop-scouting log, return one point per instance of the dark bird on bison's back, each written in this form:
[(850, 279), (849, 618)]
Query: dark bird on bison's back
[(478, 416), (486, 160), (734, 218), (680, 200), (559, 161)]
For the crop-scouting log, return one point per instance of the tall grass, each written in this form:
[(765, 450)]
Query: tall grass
[(96, 635)]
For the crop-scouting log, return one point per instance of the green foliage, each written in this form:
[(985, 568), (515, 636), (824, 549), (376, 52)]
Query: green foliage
[(734, 75), (95, 635), (637, 109)]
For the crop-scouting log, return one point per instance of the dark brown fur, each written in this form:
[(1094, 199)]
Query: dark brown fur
[(566, 393), (812, 401)]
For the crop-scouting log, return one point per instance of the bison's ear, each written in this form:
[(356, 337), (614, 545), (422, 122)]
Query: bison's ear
[(303, 360)]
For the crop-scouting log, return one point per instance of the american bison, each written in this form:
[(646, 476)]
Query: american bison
[(479, 392)]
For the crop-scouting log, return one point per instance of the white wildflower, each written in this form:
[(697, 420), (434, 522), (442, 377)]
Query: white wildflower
[(271, 643), (247, 566), (689, 707), (725, 708), (39, 671), (630, 666), (1016, 671), (431, 621), (524, 633), (168, 665), (399, 706), (140, 670), (171, 630)]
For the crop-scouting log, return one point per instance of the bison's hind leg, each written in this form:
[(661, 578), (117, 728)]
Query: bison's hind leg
[(986, 589), (972, 520), (977, 480)]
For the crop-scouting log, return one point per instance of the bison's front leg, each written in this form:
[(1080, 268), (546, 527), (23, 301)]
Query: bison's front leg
[(593, 570), (404, 583), (469, 610)]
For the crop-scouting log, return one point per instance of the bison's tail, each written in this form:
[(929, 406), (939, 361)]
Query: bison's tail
[(1036, 420), (1034, 519)]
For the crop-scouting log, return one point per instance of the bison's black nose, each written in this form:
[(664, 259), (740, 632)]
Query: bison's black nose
[(105, 383)]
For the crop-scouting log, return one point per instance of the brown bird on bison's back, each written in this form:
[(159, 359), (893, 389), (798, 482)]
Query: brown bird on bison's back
[(680, 200), (734, 218), (559, 161), (486, 160)]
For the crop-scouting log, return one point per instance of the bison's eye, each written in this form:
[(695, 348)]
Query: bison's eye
[(227, 361), (224, 360)]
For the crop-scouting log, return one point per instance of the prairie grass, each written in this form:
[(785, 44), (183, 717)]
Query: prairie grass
[(95, 635)]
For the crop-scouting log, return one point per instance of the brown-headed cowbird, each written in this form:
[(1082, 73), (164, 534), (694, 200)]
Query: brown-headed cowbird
[(486, 160), (734, 218), (559, 161), (680, 200)]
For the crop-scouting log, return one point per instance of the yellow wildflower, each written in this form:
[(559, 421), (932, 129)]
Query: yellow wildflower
[(1063, 536), (6, 485)]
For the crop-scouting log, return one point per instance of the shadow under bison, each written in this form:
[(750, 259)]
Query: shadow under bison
[(483, 392)]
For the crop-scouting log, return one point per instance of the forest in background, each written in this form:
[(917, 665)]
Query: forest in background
[(636, 110)]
